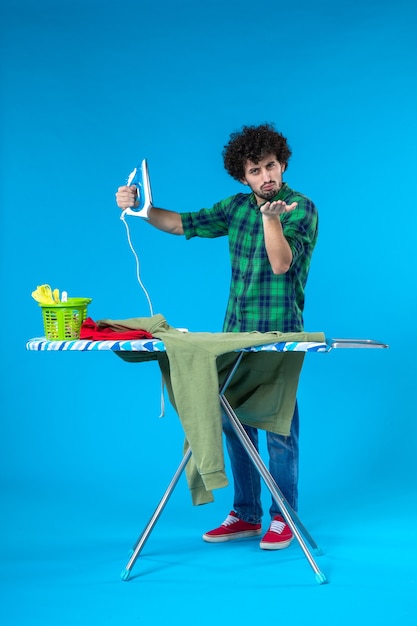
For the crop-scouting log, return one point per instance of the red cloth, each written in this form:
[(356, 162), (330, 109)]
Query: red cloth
[(90, 330)]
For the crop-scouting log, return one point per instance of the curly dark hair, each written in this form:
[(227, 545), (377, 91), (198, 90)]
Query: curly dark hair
[(254, 143)]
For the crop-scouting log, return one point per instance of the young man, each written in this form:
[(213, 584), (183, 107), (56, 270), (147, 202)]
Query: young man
[(272, 233)]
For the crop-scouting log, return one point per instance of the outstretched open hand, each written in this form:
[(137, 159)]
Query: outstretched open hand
[(272, 209)]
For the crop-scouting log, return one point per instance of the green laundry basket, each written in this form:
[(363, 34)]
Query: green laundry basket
[(63, 321)]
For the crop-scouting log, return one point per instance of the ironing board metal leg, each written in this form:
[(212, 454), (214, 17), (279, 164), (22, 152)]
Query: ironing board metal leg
[(287, 512), (149, 527)]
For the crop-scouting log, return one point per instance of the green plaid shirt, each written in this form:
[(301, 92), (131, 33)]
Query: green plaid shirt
[(259, 299)]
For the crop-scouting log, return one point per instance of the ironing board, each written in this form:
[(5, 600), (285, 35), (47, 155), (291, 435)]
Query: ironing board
[(148, 349)]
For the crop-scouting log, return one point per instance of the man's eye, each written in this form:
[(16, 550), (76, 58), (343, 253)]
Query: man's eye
[(270, 166)]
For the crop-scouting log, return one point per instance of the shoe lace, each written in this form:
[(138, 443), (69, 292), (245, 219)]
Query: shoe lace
[(230, 519), (277, 526)]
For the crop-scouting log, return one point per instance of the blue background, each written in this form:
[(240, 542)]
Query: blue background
[(88, 90)]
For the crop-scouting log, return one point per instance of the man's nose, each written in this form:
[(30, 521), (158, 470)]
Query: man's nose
[(266, 177)]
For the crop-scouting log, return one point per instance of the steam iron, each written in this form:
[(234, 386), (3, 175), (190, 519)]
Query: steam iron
[(139, 177)]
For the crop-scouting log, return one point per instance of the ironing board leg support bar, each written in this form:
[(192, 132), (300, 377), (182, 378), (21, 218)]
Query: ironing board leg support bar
[(289, 515), (152, 522)]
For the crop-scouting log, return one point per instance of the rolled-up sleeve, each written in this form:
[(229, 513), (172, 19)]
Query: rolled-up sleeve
[(209, 223), (300, 228)]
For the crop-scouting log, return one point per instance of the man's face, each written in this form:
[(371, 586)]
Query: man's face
[(264, 178)]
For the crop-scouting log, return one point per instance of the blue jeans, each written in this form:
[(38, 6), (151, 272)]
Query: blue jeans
[(283, 466)]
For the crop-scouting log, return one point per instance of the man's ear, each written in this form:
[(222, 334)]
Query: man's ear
[(244, 181), (283, 167)]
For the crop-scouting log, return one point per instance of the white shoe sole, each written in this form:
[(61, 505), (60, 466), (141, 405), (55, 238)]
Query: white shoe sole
[(276, 545)]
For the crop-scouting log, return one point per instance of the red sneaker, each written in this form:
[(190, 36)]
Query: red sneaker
[(279, 535), (232, 528)]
